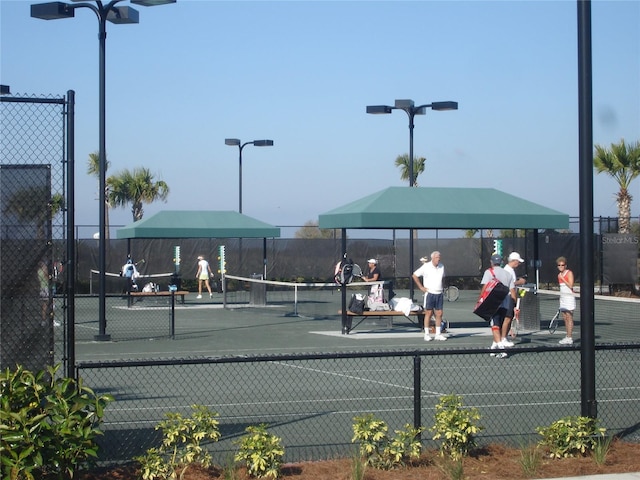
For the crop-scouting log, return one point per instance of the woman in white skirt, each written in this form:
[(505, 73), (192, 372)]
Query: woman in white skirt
[(567, 298)]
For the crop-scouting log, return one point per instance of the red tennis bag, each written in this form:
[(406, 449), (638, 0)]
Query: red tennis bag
[(490, 299)]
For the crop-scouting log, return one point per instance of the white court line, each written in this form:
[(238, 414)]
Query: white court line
[(353, 377), (140, 308)]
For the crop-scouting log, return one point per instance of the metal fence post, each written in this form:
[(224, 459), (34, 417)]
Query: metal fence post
[(417, 393)]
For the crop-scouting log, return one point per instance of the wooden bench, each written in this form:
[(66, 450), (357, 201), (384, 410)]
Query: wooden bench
[(388, 314), (180, 293)]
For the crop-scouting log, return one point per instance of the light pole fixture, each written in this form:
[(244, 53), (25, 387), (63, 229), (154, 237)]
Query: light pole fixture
[(5, 90), (114, 14), (408, 106), (237, 143)]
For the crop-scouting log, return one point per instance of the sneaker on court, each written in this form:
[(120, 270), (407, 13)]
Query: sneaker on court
[(566, 341), (494, 346), (56, 323), (502, 355), (199, 296), (427, 337), (211, 295), (506, 343), (440, 337)]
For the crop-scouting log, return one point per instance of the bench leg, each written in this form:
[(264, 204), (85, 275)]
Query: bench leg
[(347, 325)]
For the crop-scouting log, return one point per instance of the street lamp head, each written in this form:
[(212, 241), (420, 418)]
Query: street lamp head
[(403, 104), (263, 143), (444, 106), (152, 3), (121, 15), (5, 90), (52, 11), (378, 109), (232, 141)]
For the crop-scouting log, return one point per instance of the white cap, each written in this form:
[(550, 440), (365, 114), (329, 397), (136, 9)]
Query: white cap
[(372, 260), (515, 256)]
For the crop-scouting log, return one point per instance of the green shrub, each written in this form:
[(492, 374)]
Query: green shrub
[(378, 449), (601, 449), (530, 459), (455, 426), (358, 466), (570, 436), (181, 444), (48, 425), (261, 452)]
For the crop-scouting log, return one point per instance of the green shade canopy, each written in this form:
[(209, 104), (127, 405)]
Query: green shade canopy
[(457, 208), (198, 224)]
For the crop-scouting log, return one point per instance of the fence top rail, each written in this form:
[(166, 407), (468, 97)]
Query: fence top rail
[(59, 101), (340, 355)]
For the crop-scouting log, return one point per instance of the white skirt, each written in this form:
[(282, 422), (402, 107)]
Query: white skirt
[(567, 298)]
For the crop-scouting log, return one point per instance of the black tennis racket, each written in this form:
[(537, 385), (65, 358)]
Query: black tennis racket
[(357, 271)]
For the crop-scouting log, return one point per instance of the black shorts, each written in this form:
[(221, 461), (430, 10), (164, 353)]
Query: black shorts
[(498, 318), (511, 308)]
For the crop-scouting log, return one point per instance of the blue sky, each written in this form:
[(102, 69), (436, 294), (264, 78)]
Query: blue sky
[(301, 73)]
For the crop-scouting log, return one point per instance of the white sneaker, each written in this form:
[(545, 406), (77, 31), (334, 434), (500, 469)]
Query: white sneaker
[(440, 337), (566, 341), (494, 346), (502, 355), (199, 296), (506, 343), (211, 295), (427, 337), (56, 323)]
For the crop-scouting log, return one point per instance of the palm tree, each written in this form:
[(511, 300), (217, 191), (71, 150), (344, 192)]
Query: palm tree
[(622, 162), (402, 161), (93, 168), (137, 187)]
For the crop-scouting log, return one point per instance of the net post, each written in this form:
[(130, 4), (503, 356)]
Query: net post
[(173, 315)]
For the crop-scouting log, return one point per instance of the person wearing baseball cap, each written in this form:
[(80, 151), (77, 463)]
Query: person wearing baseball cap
[(373, 275), (504, 277), (513, 261), (373, 272)]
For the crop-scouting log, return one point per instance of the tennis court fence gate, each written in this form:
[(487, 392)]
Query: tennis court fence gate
[(35, 191)]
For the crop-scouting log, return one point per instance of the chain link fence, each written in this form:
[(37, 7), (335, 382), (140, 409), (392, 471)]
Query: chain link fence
[(32, 229), (310, 401)]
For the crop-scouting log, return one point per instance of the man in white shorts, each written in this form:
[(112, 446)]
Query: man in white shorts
[(432, 273)]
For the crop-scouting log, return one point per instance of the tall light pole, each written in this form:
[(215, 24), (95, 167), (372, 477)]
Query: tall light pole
[(105, 12), (240, 145), (408, 106)]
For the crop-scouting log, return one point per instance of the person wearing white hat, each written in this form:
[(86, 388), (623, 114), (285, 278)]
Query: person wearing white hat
[(373, 271), (513, 261), (373, 275), (432, 273)]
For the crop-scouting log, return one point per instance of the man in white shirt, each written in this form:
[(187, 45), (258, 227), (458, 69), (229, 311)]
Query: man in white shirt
[(513, 261), (432, 273)]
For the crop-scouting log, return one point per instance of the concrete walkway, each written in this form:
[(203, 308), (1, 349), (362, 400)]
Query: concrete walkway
[(607, 476)]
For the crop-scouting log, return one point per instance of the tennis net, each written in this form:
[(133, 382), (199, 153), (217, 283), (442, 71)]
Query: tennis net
[(114, 281), (615, 318), (302, 299)]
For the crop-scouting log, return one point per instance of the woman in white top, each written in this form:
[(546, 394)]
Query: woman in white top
[(203, 274), (567, 298)]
